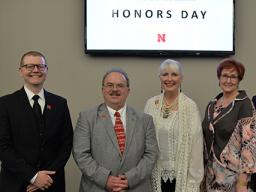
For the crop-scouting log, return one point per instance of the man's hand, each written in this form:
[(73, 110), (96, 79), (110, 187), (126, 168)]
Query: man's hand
[(43, 179), (31, 188), (123, 184), (116, 184)]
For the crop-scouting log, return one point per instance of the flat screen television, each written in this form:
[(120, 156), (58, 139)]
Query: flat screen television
[(160, 27)]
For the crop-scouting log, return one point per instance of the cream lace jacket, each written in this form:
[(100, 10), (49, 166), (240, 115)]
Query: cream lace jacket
[(190, 144)]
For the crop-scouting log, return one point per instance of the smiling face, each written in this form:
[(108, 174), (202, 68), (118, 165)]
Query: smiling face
[(170, 79), (33, 79), (229, 80), (115, 90)]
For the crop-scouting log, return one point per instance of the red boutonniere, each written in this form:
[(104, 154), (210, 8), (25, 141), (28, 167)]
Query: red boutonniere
[(49, 107)]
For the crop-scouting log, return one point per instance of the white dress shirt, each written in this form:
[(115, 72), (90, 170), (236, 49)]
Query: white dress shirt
[(122, 112), (41, 99), (41, 102)]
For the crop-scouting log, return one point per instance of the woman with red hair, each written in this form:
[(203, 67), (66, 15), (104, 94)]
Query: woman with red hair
[(229, 133)]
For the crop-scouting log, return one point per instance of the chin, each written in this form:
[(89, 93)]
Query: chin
[(229, 91), (37, 82), (173, 89)]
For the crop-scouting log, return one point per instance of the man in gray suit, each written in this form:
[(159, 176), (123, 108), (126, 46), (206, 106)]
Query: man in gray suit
[(105, 166)]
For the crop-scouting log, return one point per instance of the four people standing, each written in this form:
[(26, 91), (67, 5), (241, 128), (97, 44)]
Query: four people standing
[(229, 133), (35, 133), (178, 128)]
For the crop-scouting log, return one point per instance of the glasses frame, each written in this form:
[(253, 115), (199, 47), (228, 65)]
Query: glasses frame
[(31, 67), (225, 77), (111, 86)]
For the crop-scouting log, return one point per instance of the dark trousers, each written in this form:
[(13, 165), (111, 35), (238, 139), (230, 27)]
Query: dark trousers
[(168, 186), (252, 183)]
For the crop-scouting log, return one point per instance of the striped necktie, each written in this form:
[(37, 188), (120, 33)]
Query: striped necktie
[(120, 134)]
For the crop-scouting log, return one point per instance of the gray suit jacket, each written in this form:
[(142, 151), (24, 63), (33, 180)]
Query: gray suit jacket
[(96, 151)]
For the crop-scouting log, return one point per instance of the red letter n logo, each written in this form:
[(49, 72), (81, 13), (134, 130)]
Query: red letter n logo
[(161, 37)]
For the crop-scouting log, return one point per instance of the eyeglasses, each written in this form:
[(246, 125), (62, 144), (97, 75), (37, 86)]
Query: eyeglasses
[(31, 67), (231, 77), (111, 86)]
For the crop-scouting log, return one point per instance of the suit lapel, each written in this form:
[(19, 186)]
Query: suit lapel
[(130, 127), (24, 101), (48, 109), (106, 122), (26, 108)]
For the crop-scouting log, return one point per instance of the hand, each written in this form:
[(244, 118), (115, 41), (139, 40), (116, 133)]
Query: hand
[(116, 184), (240, 188), (242, 182), (31, 188), (43, 179), (123, 185)]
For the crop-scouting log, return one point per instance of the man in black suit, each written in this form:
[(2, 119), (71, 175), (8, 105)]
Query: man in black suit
[(35, 133)]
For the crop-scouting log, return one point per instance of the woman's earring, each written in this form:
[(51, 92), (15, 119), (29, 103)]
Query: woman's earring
[(161, 88)]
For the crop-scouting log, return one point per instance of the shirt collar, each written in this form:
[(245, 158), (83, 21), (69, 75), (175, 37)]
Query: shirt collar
[(121, 111), (30, 94), (241, 96)]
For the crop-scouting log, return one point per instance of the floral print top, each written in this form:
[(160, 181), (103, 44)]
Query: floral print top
[(230, 135)]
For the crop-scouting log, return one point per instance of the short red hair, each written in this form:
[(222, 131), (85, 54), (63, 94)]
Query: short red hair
[(31, 53), (229, 63)]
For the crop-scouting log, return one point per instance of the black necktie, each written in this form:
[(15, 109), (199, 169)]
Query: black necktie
[(37, 107)]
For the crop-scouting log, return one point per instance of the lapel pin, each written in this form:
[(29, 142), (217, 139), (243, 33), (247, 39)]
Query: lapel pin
[(49, 107), (103, 116)]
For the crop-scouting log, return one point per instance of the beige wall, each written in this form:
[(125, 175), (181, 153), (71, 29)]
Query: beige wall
[(55, 27)]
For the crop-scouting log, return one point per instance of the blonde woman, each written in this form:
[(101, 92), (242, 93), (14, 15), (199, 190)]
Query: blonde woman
[(179, 166)]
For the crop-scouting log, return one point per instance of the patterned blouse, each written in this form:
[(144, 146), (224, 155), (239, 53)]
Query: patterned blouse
[(230, 140)]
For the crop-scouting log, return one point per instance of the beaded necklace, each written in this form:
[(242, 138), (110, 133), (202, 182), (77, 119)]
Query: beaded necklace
[(168, 108)]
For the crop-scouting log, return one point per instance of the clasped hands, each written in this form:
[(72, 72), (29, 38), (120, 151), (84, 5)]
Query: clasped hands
[(43, 181), (116, 183)]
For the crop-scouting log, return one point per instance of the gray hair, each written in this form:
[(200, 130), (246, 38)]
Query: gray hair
[(172, 64), (118, 70)]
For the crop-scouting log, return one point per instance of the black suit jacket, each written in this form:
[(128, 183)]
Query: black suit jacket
[(25, 148)]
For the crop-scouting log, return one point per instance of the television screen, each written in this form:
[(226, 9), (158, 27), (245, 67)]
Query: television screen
[(160, 27)]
